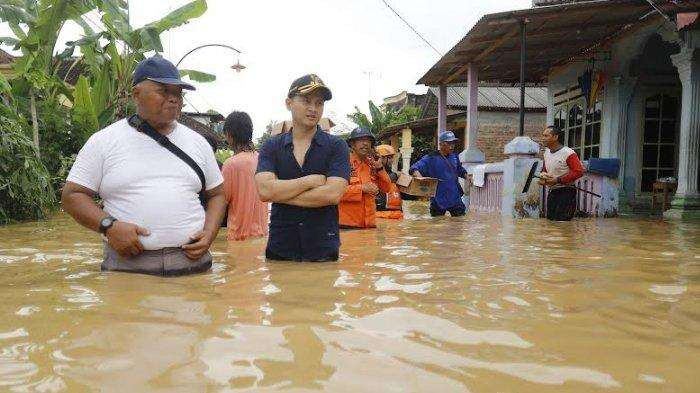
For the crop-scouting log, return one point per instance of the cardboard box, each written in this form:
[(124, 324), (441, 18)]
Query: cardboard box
[(417, 186)]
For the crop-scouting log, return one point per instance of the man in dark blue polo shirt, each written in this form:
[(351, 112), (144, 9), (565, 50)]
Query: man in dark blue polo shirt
[(444, 165), (304, 172)]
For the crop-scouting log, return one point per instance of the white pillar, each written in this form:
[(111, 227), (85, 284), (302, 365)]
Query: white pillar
[(471, 154), (442, 109), (395, 161), (472, 123), (406, 149), (522, 153), (688, 64), (687, 200)]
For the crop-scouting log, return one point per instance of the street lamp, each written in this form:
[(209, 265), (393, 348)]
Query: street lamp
[(238, 67)]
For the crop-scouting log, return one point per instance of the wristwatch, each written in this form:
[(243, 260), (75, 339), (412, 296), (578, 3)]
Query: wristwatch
[(106, 223)]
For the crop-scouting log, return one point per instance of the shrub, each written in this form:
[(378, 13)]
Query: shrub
[(25, 184)]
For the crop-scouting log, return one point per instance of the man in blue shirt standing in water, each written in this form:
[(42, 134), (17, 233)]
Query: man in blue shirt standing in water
[(444, 165), (304, 173)]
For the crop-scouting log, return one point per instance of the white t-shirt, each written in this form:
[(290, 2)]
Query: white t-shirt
[(556, 162), (143, 183)]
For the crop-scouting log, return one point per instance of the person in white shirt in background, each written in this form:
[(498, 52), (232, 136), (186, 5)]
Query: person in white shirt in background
[(152, 220), (562, 168)]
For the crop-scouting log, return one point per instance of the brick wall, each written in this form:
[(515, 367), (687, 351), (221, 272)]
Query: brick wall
[(496, 129)]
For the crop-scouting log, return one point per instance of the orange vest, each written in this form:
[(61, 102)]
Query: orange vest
[(393, 205), (358, 209), (393, 198)]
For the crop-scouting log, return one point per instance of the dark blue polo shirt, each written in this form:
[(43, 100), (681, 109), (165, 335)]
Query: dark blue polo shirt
[(448, 170), (301, 233)]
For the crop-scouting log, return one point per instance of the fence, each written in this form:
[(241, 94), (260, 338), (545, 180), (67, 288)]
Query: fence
[(487, 199)]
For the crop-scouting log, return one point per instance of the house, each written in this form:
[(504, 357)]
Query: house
[(623, 81), (212, 120), (497, 119), (401, 100), (208, 125)]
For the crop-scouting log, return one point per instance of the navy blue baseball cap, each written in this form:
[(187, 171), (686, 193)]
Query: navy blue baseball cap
[(361, 132), (158, 69), (447, 136)]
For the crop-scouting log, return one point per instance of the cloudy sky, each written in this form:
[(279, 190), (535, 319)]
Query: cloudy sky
[(358, 47)]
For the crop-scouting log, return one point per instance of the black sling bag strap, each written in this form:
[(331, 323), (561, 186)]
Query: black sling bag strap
[(142, 126)]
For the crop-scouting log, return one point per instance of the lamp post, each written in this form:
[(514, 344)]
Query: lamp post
[(238, 67)]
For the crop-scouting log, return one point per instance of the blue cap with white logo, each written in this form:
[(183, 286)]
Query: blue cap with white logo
[(158, 69), (447, 136)]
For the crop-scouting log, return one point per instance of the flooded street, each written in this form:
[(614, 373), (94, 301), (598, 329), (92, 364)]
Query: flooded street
[(477, 304)]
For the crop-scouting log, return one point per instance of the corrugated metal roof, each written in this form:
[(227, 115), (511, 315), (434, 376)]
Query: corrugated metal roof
[(497, 97), (555, 34)]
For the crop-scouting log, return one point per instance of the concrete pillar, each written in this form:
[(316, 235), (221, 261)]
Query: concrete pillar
[(406, 149), (442, 109), (471, 155), (686, 203), (394, 141), (615, 129), (522, 152)]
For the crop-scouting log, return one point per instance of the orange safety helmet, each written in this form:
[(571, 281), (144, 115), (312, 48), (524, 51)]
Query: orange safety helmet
[(385, 150)]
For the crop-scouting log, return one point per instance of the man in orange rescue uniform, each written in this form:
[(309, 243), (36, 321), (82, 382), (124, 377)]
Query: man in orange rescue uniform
[(357, 208), (389, 203)]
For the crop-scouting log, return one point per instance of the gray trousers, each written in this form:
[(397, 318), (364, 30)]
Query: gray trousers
[(169, 261)]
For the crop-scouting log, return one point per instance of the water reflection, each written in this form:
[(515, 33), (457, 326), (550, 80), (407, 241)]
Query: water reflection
[(471, 304)]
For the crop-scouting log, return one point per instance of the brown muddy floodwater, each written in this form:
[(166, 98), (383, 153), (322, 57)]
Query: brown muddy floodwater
[(474, 304)]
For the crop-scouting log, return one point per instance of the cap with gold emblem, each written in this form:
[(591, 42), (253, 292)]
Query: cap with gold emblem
[(307, 84)]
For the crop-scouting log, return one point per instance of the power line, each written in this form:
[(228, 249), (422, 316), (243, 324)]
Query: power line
[(456, 91), (411, 27)]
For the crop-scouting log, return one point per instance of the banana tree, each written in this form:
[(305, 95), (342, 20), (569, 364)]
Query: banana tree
[(36, 25), (104, 94), (380, 119)]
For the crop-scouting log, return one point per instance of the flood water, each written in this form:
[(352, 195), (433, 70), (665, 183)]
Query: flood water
[(473, 304)]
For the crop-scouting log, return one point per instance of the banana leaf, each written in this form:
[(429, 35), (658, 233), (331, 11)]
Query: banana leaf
[(198, 76), (83, 108)]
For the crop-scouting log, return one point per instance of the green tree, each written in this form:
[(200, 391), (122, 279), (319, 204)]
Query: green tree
[(37, 98), (379, 120), (25, 184), (102, 93), (266, 135)]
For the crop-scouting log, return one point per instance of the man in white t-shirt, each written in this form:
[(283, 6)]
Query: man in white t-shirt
[(152, 218), (562, 168)]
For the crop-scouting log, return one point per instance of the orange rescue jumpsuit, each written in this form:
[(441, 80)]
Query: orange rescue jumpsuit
[(358, 209), (393, 205)]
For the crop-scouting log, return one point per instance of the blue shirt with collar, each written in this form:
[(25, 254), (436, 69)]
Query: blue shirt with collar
[(447, 170), (302, 233)]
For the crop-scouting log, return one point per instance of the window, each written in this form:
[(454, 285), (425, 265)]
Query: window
[(574, 132), (581, 123), (591, 140), (659, 140)]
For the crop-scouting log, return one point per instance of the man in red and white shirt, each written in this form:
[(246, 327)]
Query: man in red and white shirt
[(561, 169)]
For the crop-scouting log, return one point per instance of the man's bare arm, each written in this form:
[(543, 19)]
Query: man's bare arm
[(216, 208), (325, 195), (123, 237), (79, 202), (271, 189)]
